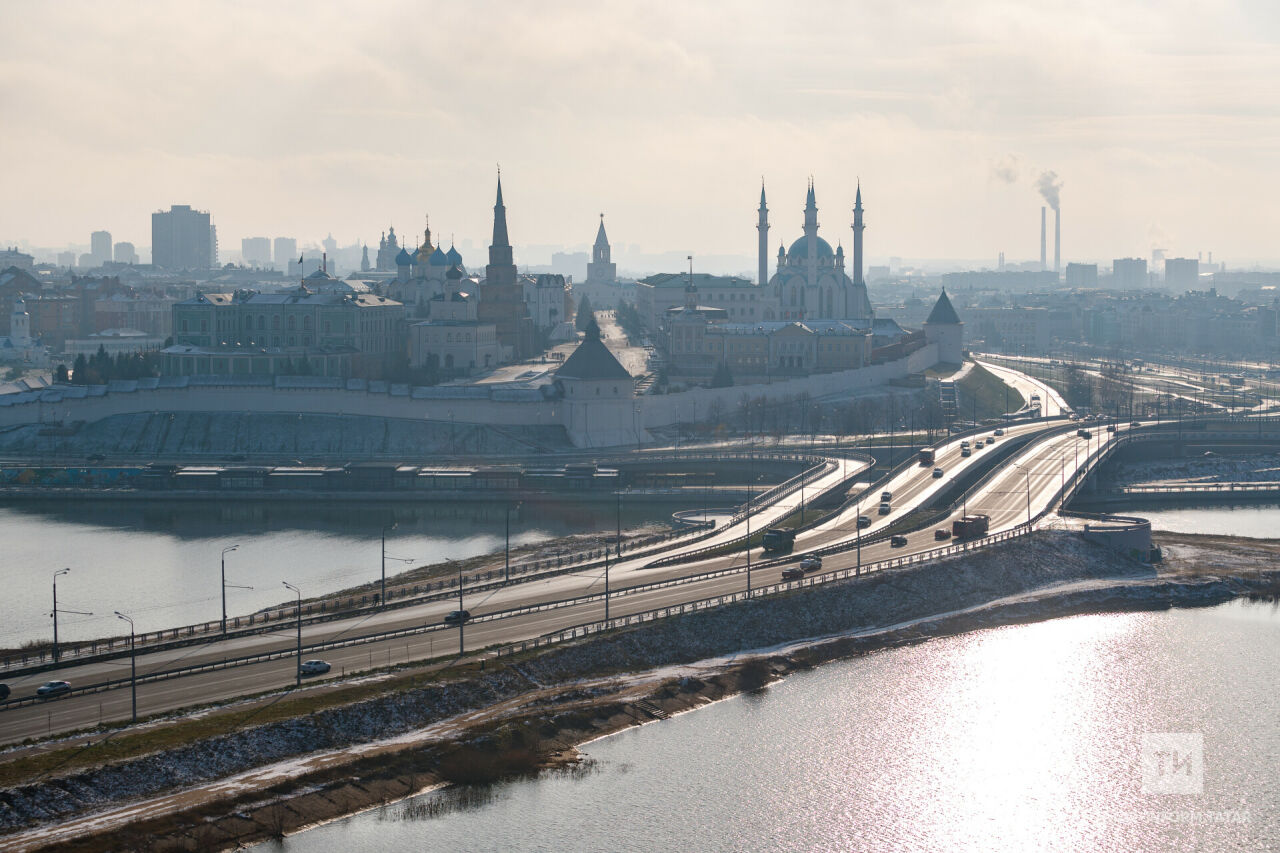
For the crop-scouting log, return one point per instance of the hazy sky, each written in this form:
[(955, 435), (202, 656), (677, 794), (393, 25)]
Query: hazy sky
[(1161, 119)]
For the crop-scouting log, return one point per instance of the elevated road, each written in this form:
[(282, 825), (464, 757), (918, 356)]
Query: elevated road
[(1027, 484)]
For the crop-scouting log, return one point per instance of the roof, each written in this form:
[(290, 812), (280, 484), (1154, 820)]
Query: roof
[(943, 312), (700, 280), (592, 360), (800, 248)]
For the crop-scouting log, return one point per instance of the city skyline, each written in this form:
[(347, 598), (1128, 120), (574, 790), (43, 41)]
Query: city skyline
[(317, 120)]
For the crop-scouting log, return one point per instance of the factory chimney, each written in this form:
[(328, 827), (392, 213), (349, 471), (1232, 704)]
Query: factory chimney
[(1057, 239), (1043, 267)]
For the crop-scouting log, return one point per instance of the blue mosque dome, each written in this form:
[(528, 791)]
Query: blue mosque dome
[(800, 249)]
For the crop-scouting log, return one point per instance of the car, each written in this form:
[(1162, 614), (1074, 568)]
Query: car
[(4, 692), (1135, 423), (964, 451), (53, 688), (1084, 433), (999, 432), (1111, 427), (897, 541), (991, 439), (937, 472), (885, 497), (792, 573), (864, 521), (941, 533), (811, 563), (314, 667), (885, 508), (457, 617)]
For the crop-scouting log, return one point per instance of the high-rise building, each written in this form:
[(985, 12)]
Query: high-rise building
[(1082, 275), (100, 247), (285, 252), (125, 253), (1182, 273), (255, 251), (1129, 273), (183, 239)]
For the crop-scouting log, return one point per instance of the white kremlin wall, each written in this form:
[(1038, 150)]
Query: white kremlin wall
[(592, 423)]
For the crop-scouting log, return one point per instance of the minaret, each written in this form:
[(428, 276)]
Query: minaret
[(501, 268), (763, 227), (811, 233), (857, 236)]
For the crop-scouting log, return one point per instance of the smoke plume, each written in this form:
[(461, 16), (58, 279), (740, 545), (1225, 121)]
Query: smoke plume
[(1049, 187), (1006, 169)]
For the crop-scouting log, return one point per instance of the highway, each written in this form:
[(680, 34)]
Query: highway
[(1038, 470)]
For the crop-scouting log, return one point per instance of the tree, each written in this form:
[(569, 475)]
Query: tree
[(80, 370), (723, 377), (585, 314), (60, 375)]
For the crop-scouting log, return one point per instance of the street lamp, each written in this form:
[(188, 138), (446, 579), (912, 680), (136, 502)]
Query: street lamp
[(462, 613), (298, 592), (226, 551), (385, 528), (56, 651), (133, 665)]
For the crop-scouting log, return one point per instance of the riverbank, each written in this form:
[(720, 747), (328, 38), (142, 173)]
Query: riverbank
[(262, 780)]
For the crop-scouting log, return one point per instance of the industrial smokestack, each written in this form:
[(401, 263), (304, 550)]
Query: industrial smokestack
[(1057, 239), (1042, 257)]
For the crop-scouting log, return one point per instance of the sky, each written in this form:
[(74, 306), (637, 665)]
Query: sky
[(1160, 121)]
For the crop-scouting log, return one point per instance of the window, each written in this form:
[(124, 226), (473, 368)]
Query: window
[(293, 341), (327, 327), (184, 324), (275, 322), (306, 324), (262, 322), (204, 325), (293, 323)]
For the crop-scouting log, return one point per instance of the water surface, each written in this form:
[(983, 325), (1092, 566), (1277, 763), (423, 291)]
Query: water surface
[(1014, 739)]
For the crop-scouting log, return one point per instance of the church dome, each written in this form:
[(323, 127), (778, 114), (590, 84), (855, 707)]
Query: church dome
[(453, 256), (404, 259), (439, 258), (800, 249), (454, 273)]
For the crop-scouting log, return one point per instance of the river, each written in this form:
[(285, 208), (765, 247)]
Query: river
[(159, 562), (1027, 737)]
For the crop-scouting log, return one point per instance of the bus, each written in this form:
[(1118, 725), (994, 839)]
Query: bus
[(926, 456)]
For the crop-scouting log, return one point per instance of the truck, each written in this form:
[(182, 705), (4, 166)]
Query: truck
[(926, 456), (970, 526), (776, 539)]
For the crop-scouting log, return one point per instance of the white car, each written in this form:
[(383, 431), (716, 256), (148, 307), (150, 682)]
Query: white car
[(811, 563), (314, 667), (53, 688)]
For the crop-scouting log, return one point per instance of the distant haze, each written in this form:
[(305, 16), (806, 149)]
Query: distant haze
[(1159, 120)]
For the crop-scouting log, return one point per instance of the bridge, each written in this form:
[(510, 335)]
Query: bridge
[(1018, 479)]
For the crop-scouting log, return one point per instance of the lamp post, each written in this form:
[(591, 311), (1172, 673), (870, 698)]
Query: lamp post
[(57, 653), (462, 618), (226, 551), (133, 666), (385, 528), (751, 479), (857, 522), (298, 592)]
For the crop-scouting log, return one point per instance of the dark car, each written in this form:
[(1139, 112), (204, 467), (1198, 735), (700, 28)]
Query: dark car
[(53, 688), (457, 617), (4, 692), (792, 573), (897, 541), (941, 533)]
